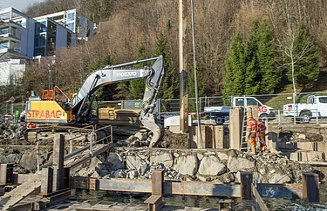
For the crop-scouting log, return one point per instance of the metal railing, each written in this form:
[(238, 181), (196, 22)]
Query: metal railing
[(93, 141)]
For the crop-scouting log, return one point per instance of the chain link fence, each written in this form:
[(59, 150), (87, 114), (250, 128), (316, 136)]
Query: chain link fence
[(170, 107)]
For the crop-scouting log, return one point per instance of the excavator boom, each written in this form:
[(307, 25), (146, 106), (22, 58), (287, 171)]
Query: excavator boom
[(47, 110), (118, 73)]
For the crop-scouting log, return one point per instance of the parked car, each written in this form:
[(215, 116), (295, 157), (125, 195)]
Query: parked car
[(316, 107)]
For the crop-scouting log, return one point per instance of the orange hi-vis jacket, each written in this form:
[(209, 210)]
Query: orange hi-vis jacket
[(252, 127)]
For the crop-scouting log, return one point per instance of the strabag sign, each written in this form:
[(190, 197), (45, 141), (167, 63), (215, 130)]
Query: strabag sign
[(43, 111), (45, 114)]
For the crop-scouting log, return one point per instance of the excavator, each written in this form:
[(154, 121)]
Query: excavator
[(78, 110)]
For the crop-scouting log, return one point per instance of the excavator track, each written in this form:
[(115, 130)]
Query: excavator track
[(46, 133)]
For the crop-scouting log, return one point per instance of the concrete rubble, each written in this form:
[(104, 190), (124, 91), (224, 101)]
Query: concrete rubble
[(196, 165), (12, 133)]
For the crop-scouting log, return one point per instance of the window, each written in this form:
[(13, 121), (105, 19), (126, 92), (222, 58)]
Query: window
[(239, 102), (4, 45), (252, 102), (71, 26), (40, 40), (71, 16), (40, 27), (4, 31), (14, 46), (39, 51), (69, 39), (323, 99), (15, 32)]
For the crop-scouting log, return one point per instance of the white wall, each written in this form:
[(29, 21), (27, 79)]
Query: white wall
[(11, 67)]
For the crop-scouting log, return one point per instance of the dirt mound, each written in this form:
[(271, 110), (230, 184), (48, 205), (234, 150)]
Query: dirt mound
[(174, 140)]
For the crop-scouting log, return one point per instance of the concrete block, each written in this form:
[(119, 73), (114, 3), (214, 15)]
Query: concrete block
[(321, 146), (294, 156), (235, 126), (307, 156), (219, 137), (174, 129), (207, 134), (305, 145)]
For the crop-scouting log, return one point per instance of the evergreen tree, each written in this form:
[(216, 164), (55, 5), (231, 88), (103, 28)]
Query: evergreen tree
[(169, 82), (270, 78), (136, 87), (307, 58), (234, 69), (253, 73), (191, 84)]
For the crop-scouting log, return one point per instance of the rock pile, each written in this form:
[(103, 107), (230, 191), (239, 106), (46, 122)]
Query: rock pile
[(12, 133), (196, 165)]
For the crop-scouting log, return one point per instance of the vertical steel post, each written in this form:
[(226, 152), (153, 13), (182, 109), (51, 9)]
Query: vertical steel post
[(111, 134), (47, 182), (37, 155), (58, 161), (157, 182), (310, 182), (246, 185)]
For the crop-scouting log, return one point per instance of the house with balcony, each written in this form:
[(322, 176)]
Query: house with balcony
[(24, 38)]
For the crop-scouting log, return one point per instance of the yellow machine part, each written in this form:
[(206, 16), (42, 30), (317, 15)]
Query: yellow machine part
[(47, 112)]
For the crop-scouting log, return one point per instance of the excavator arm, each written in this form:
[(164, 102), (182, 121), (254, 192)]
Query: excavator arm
[(119, 73)]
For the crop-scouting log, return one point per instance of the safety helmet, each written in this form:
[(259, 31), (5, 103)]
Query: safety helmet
[(250, 115)]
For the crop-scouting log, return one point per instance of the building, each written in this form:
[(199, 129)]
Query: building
[(16, 35), (22, 38), (73, 21), (49, 36)]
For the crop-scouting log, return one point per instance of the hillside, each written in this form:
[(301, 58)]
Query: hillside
[(140, 29)]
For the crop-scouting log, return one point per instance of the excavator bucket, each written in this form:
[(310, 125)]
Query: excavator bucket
[(155, 129)]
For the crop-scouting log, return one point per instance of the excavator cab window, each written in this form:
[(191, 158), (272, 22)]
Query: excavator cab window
[(48, 94)]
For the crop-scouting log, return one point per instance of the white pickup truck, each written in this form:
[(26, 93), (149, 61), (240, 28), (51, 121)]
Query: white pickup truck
[(265, 112), (316, 107)]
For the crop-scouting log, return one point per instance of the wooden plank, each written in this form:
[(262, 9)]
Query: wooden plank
[(19, 193)]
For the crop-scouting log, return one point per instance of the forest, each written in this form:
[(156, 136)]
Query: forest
[(242, 46)]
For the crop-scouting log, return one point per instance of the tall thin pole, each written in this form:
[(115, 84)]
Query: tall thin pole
[(182, 72), (199, 135)]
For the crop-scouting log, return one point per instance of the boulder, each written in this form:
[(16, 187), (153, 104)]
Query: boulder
[(236, 164), (114, 161), (28, 161), (186, 165), (211, 166), (279, 178), (143, 169), (222, 156), (133, 162), (132, 174), (120, 173), (91, 168), (13, 158), (163, 157)]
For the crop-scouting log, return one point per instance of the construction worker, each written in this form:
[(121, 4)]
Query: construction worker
[(252, 128), (261, 135)]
